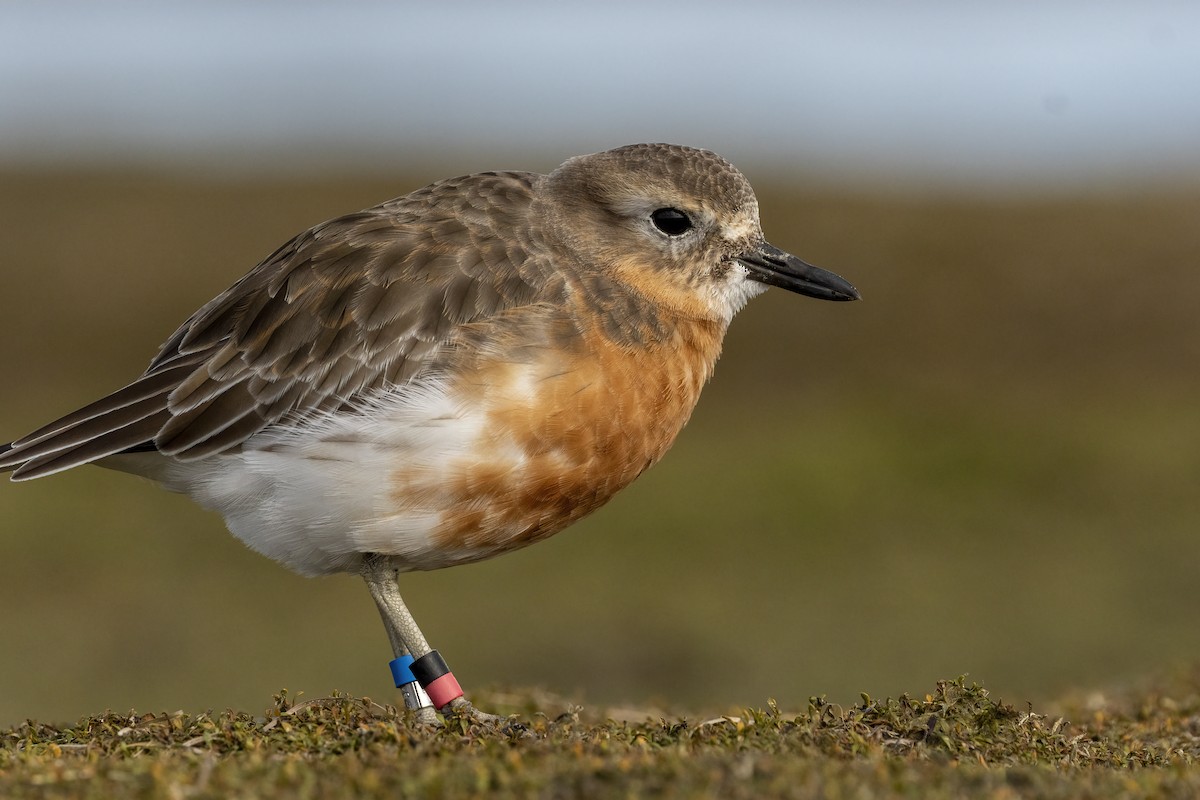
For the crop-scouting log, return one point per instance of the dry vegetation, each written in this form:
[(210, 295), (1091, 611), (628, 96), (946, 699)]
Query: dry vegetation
[(953, 742)]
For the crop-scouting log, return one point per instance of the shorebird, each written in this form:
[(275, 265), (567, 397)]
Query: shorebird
[(447, 376)]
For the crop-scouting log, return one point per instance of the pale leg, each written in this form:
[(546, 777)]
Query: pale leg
[(405, 637)]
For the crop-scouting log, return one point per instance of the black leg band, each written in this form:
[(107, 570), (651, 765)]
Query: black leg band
[(429, 667)]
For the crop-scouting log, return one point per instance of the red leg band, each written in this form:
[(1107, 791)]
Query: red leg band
[(443, 690)]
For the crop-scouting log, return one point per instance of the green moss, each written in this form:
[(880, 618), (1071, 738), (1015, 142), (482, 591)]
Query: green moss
[(953, 741)]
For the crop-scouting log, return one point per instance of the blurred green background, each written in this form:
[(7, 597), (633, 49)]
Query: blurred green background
[(987, 466)]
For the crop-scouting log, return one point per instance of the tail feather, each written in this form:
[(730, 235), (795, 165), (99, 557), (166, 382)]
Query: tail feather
[(71, 438), (114, 441), (152, 387), (127, 419)]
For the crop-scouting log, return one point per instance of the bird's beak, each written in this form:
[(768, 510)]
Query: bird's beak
[(772, 266)]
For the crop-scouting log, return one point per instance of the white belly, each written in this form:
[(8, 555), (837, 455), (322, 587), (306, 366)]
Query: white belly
[(316, 497)]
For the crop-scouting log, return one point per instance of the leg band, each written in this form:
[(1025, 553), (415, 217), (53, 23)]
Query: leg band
[(443, 690), (402, 670), (414, 696), (432, 673)]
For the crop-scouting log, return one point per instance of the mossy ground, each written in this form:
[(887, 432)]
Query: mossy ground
[(957, 740)]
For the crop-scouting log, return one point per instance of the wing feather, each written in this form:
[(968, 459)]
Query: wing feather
[(147, 389), (345, 309), (101, 445)]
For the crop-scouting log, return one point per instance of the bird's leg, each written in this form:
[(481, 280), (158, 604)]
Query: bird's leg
[(381, 582), (420, 672)]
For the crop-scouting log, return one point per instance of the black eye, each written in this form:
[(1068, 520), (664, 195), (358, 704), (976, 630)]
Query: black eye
[(671, 221)]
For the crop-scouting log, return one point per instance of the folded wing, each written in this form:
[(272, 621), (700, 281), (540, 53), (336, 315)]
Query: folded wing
[(353, 306)]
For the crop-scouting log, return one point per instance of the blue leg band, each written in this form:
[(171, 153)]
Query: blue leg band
[(402, 670)]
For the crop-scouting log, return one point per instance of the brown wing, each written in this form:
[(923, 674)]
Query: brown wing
[(351, 306)]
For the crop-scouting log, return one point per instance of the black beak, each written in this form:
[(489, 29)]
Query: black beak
[(772, 266)]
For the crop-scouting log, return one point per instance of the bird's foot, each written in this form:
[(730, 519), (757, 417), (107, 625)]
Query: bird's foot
[(427, 716), (461, 708)]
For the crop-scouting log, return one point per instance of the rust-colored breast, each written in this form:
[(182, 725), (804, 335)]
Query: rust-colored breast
[(570, 420)]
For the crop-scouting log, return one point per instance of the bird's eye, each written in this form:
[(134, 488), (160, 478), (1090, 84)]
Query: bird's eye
[(671, 221)]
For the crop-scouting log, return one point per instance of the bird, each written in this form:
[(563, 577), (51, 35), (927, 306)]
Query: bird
[(447, 376)]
